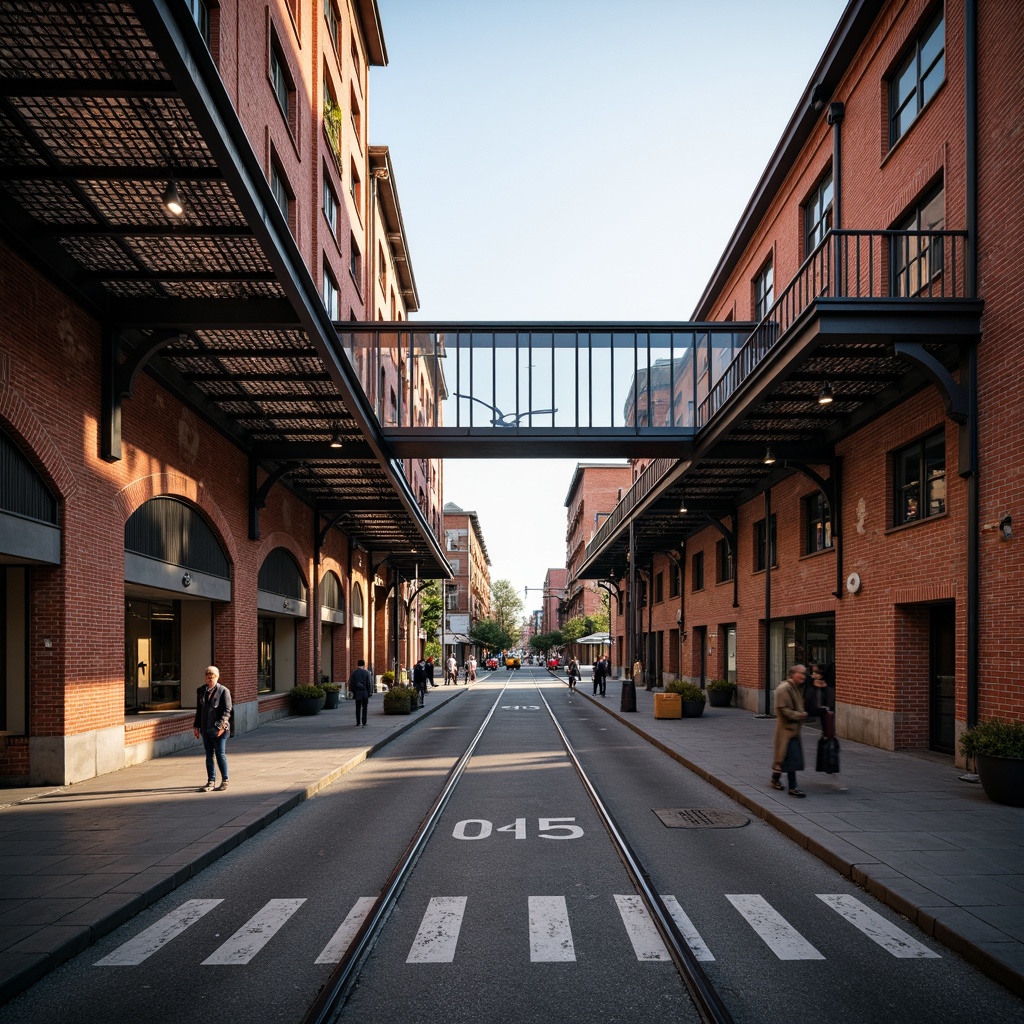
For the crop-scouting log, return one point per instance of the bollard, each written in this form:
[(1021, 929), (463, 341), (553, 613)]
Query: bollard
[(628, 701)]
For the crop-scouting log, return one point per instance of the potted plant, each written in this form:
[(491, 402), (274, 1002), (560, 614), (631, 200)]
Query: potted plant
[(693, 700), (720, 693), (387, 680), (333, 691), (998, 751), (307, 699), (398, 700)]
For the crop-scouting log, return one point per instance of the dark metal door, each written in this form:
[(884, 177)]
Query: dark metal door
[(942, 671)]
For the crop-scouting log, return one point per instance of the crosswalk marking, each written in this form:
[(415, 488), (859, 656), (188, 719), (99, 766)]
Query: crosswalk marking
[(254, 934), (647, 943), (685, 925), (145, 944), (892, 939), (779, 935), (550, 933), (439, 931), (335, 949)]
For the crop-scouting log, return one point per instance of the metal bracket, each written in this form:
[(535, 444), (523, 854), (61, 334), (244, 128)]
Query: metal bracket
[(954, 395), (258, 494)]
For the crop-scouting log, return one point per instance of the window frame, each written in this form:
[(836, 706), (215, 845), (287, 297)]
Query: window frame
[(760, 555), (281, 81), (917, 260), (725, 562), (697, 571), (333, 21), (330, 198), (330, 288), (911, 59), (816, 206), (282, 189), (817, 524), (907, 504), (674, 578), (764, 289)]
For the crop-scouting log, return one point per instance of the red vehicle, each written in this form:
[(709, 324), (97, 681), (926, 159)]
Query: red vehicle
[(492, 663), (552, 663)]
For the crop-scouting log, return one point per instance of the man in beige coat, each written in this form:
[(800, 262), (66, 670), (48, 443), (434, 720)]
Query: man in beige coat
[(789, 716)]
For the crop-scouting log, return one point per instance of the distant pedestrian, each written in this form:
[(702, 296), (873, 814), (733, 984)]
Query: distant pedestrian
[(451, 671), (419, 680), (789, 717), (601, 670), (637, 673), (471, 664), (573, 671), (213, 723), (361, 685), (430, 672), (816, 693)]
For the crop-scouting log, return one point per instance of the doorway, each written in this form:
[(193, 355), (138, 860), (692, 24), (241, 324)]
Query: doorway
[(942, 678)]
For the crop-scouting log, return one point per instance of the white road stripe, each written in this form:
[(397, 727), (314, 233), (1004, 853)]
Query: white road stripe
[(781, 937), (892, 939), (685, 925), (145, 944), (335, 949), (647, 943), (254, 934), (438, 934), (550, 933)]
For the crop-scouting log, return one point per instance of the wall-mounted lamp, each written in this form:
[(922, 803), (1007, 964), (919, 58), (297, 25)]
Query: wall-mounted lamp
[(336, 439), (1006, 527), (819, 94), (825, 396), (769, 456), (172, 199)]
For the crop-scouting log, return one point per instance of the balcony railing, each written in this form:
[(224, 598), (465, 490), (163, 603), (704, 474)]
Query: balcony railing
[(909, 265)]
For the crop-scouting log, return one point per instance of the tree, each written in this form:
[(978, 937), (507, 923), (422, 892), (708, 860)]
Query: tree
[(431, 609), (487, 633), (544, 642), (506, 609)]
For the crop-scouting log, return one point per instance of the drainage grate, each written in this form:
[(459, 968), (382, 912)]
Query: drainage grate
[(700, 817)]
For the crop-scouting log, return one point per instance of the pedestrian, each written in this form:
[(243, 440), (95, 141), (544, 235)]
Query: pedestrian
[(430, 672), (451, 671), (361, 685), (213, 723), (789, 717), (816, 693), (638, 673), (573, 673), (472, 669), (419, 679), (601, 670)]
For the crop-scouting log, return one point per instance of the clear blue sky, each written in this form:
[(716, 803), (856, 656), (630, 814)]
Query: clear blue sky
[(577, 160)]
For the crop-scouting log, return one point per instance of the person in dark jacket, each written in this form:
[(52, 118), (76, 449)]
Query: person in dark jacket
[(789, 716), (213, 723), (361, 685), (430, 672), (419, 679)]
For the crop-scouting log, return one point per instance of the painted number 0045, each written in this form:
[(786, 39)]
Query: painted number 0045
[(547, 828)]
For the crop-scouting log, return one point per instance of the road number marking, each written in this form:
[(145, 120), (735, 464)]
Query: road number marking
[(145, 944), (438, 934), (547, 828), (550, 933), (892, 939), (779, 935), (520, 707)]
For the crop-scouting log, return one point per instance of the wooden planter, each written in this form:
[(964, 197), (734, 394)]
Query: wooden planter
[(668, 705), (1002, 778)]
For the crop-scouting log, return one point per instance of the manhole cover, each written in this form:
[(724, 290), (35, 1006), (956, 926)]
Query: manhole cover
[(700, 817)]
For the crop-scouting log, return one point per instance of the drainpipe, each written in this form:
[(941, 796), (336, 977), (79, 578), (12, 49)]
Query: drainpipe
[(836, 112), (631, 603), (971, 362), (768, 552)]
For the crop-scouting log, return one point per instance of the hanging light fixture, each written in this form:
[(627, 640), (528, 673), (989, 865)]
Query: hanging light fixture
[(336, 439), (769, 456), (682, 505), (172, 199), (825, 396)]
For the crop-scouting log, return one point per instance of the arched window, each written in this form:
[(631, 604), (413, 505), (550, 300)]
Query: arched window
[(357, 606)]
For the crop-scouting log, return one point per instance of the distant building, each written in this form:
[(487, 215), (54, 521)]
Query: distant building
[(554, 594), (467, 596)]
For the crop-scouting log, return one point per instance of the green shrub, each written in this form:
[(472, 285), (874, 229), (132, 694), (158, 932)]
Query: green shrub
[(688, 691), (721, 685), (308, 690), (330, 687), (995, 738), (388, 679), (398, 700)]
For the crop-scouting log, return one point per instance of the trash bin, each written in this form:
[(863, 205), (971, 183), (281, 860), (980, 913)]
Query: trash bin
[(628, 702)]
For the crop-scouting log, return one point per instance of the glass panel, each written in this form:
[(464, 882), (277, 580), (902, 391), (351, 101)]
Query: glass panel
[(265, 655), (935, 475), (908, 486), (933, 45)]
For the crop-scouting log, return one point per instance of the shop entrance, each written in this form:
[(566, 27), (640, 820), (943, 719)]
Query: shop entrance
[(942, 678)]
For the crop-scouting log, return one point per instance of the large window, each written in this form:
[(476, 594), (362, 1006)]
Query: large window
[(330, 204), (331, 295), (917, 78), (917, 259), (281, 82), (282, 192), (818, 214), (818, 524), (333, 23), (764, 291), (919, 480), (764, 545), (200, 11), (725, 568), (697, 571)]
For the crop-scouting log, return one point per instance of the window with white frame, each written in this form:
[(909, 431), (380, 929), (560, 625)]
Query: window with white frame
[(332, 297)]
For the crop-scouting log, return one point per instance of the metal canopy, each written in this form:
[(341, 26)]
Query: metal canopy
[(101, 106)]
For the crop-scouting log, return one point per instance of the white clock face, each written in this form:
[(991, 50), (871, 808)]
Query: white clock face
[(853, 582)]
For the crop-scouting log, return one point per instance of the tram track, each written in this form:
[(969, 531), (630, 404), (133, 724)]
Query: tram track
[(335, 992)]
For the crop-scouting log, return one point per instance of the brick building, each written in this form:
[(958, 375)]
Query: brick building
[(468, 594), (553, 595), (853, 493), (191, 463)]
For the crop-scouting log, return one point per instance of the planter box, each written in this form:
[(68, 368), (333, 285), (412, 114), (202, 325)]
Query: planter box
[(1002, 778), (332, 700), (720, 698), (693, 708), (668, 705), (307, 705)]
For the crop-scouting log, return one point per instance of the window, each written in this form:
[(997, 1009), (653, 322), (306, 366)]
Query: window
[(282, 193), (917, 78), (333, 26), (760, 552), (357, 117), (725, 568), (330, 205), (200, 11), (355, 261), (673, 582), (332, 298), (659, 588), (697, 574), (355, 189), (382, 270), (764, 291), (917, 259), (281, 81), (818, 214), (919, 480), (818, 524)]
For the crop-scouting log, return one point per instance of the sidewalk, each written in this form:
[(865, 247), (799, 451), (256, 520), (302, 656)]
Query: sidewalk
[(78, 861)]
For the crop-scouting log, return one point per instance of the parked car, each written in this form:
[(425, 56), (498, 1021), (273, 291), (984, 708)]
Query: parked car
[(552, 663), (491, 663)]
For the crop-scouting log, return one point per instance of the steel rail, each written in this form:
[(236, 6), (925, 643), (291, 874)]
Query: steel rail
[(339, 985), (708, 1002)]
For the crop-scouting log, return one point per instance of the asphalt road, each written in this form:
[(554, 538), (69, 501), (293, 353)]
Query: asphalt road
[(520, 908)]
